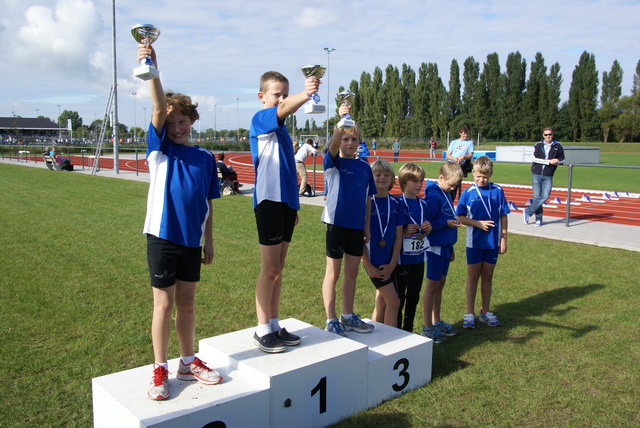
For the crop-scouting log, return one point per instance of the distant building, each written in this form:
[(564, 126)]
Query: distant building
[(35, 129)]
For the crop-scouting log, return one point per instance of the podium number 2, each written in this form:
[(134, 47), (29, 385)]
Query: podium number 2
[(322, 388), (404, 363)]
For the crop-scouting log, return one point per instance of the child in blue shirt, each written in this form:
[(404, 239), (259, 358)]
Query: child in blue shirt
[(483, 208), (275, 200), (383, 249), (415, 242), (183, 181), (443, 236), (348, 185)]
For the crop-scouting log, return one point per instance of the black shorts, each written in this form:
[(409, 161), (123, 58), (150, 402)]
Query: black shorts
[(169, 262), (275, 222), (341, 240), (379, 283)]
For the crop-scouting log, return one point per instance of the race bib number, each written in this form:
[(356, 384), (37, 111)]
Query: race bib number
[(413, 246)]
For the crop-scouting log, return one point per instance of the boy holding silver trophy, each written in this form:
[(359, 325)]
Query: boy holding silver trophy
[(275, 200), (183, 181)]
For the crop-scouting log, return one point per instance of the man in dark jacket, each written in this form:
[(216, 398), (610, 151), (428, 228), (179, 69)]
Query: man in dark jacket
[(547, 155)]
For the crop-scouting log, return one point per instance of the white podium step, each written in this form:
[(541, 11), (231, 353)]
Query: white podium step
[(325, 379), (120, 400), (399, 361), (319, 382)]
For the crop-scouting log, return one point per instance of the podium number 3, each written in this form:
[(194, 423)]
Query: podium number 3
[(404, 363), (322, 388)]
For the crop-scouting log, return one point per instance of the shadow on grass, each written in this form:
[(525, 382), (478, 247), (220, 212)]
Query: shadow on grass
[(446, 357)]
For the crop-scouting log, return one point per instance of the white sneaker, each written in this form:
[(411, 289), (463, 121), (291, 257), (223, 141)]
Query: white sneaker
[(159, 386), (199, 371)]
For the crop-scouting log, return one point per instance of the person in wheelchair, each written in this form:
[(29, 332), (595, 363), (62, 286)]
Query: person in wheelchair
[(228, 173)]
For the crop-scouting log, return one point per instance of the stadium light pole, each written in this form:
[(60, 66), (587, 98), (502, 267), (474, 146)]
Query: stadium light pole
[(238, 116), (328, 51), (59, 130), (134, 115), (215, 120)]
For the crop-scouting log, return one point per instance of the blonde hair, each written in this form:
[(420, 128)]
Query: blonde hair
[(181, 104), (410, 172), (483, 165), (271, 76), (382, 165), (451, 171)]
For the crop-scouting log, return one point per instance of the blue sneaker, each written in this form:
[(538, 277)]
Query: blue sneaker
[(434, 334), (469, 321), (356, 324), (445, 328), (526, 216), (490, 319), (335, 326)]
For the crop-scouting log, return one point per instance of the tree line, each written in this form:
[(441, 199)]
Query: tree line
[(499, 105)]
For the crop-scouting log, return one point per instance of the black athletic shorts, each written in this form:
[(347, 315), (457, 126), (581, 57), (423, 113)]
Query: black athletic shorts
[(341, 240), (275, 222), (169, 262)]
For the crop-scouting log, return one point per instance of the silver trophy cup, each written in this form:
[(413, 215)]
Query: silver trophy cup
[(313, 106), (346, 122), (145, 33)]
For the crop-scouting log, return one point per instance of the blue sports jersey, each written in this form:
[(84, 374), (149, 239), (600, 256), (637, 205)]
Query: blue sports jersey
[(386, 213), (347, 184), (483, 203), (182, 180), (273, 160), (440, 209), (415, 212)]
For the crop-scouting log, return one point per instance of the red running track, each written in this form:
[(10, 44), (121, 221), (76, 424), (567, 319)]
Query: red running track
[(625, 210)]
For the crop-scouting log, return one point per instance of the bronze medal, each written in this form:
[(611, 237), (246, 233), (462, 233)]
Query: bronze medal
[(382, 243), (420, 236)]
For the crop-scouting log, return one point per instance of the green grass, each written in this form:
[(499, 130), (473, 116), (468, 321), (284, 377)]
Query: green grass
[(76, 304)]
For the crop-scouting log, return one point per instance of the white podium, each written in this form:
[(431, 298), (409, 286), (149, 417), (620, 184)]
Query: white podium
[(325, 379), (119, 400), (319, 382)]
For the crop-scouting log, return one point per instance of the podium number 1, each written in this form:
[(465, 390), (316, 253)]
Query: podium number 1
[(322, 388)]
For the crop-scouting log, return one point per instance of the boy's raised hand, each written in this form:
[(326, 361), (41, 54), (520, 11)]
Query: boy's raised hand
[(312, 85), (344, 109), (145, 50)]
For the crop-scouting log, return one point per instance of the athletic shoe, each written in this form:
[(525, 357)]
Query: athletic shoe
[(526, 216), (538, 223), (434, 334), (268, 343), (287, 338), (445, 328), (490, 319), (159, 386), (199, 371), (356, 324), (469, 321), (335, 326)]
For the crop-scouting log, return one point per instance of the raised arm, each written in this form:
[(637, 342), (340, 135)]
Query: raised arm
[(158, 101)]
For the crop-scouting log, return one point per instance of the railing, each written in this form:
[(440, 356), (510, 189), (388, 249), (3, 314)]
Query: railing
[(568, 211)]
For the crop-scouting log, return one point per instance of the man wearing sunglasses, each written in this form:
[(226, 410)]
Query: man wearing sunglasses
[(547, 155)]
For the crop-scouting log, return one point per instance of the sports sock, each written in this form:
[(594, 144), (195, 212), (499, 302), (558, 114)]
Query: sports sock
[(263, 329), (188, 360), (347, 316), (274, 324)]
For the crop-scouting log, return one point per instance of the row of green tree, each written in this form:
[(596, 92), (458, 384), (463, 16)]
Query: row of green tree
[(498, 105)]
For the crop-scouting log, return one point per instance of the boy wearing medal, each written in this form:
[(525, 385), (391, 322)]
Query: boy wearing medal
[(442, 216), (383, 249), (410, 272), (483, 208), (348, 185)]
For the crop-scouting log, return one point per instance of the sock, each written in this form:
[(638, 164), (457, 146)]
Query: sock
[(331, 319), (263, 330), (347, 317), (165, 365), (188, 360), (274, 324)]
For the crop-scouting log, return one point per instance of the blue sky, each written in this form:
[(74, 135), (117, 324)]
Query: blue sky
[(58, 52)]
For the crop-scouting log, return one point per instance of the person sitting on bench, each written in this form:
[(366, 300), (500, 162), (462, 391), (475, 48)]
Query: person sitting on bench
[(227, 172), (64, 163)]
